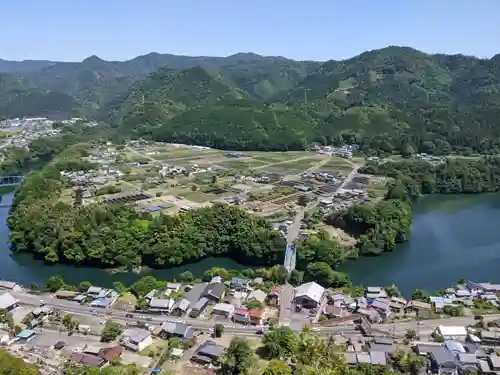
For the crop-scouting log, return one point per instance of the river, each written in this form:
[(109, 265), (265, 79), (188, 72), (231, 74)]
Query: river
[(25, 270), (452, 237)]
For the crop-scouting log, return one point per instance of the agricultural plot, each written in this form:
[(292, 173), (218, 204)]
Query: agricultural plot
[(337, 165), (296, 166)]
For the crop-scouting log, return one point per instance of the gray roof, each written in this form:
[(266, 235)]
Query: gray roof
[(179, 329), (159, 303), (239, 282), (378, 358), (444, 358), (427, 349), (94, 290), (136, 335), (454, 346), (382, 348), (201, 304), (182, 304), (257, 295), (211, 349), (467, 358), (7, 300), (383, 340), (350, 358), (494, 360), (214, 289), (364, 358)]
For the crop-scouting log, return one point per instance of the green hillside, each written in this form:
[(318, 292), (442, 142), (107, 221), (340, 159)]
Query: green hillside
[(395, 99), (18, 98)]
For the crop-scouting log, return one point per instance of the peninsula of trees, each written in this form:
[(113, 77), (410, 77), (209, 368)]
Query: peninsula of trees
[(113, 236)]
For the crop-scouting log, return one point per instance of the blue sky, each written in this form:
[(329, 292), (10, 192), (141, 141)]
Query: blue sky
[(70, 30)]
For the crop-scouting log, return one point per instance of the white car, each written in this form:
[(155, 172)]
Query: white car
[(314, 329)]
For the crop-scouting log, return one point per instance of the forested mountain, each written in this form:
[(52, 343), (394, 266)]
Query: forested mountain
[(395, 99), (18, 98)]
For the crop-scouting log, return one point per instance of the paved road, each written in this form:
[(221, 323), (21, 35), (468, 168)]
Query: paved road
[(286, 296)]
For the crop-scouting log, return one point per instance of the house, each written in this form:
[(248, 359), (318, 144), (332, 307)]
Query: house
[(309, 294), (150, 295), (8, 302), (136, 339), (110, 354), (209, 352), (10, 285), (442, 361), (257, 295), (198, 308), (87, 360), (257, 316), (174, 287), (494, 362), (258, 281), (180, 307), (224, 309), (333, 311), (373, 292), (382, 306), (483, 287), (397, 304), (240, 315), (66, 294), (454, 346), (106, 301), (161, 305), (240, 284), (214, 292), (428, 348), (41, 312), (371, 314), (26, 335), (216, 279), (452, 332), (382, 345), (418, 306), (273, 298), (490, 338), (378, 358), (94, 291), (181, 330)]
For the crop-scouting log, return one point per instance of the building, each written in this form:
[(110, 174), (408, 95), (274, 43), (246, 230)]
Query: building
[(110, 354), (136, 339), (66, 294), (452, 332), (224, 309), (87, 360), (309, 294), (198, 308), (106, 301), (214, 292), (257, 316), (273, 298), (382, 306), (240, 315), (418, 306), (94, 291), (240, 284), (161, 305), (257, 295), (180, 307), (7, 302), (181, 330), (373, 292), (442, 361), (209, 352), (26, 335), (10, 285), (173, 287)]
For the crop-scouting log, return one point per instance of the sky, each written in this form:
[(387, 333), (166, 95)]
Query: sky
[(70, 30)]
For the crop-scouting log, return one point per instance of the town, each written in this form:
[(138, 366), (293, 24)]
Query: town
[(454, 331)]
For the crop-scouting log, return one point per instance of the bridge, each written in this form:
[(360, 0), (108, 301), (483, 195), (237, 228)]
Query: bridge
[(290, 257), (11, 180)]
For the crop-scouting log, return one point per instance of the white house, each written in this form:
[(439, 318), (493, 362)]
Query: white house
[(136, 339), (309, 294)]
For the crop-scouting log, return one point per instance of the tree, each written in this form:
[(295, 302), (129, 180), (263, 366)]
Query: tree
[(392, 291), (33, 287), (218, 330), (253, 304), (84, 286), (145, 285), (408, 362), (110, 331), (214, 179), (120, 287), (10, 365), (54, 283), (296, 277), (186, 276), (420, 295), (239, 358), (302, 200), (67, 321), (280, 342), (411, 334), (323, 274), (277, 367)]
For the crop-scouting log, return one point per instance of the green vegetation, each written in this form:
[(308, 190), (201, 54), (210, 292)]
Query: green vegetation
[(111, 236), (391, 100), (110, 331), (10, 365)]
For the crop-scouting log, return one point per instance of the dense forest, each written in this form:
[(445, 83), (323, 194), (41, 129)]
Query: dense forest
[(10, 365), (116, 235), (391, 100), (459, 175)]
